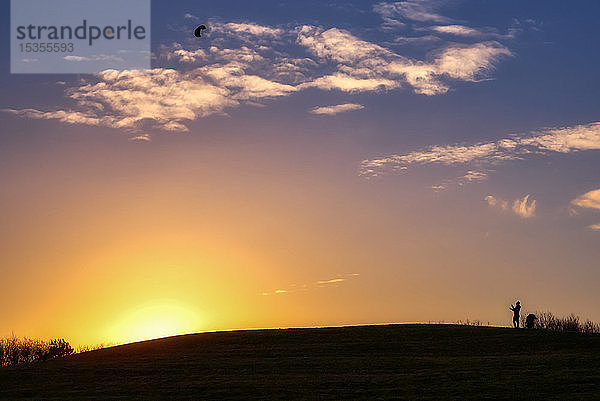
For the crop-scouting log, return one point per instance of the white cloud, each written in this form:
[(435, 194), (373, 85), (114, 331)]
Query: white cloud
[(450, 154), (495, 202), (187, 56), (248, 63), (128, 98), (409, 10), (461, 62), (248, 28), (69, 117), (335, 109), (458, 30), (142, 138), (463, 31), (417, 40), (469, 62), (243, 86), (76, 58), (338, 45), (589, 200), (521, 207), (94, 57), (425, 23), (473, 175), (347, 83), (365, 66), (563, 140), (566, 140)]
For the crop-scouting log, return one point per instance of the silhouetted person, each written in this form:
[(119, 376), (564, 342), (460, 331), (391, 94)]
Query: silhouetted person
[(516, 309), (530, 321)]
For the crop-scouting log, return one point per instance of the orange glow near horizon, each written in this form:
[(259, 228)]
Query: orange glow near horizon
[(104, 247), (160, 318), (158, 291)]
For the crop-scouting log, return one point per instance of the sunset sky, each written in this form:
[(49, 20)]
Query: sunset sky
[(305, 164)]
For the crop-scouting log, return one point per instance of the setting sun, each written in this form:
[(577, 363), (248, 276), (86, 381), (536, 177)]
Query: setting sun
[(156, 319)]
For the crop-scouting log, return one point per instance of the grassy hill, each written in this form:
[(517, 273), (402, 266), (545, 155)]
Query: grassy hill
[(368, 362)]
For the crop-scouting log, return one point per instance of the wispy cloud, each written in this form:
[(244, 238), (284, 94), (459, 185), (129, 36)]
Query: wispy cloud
[(472, 176), (589, 200), (127, 99), (475, 176), (421, 22), (94, 57), (349, 83), (553, 140), (458, 30), (69, 117), (461, 62), (332, 282), (142, 138), (76, 58), (522, 207), (396, 13), (248, 28), (336, 109), (495, 202), (249, 63), (365, 66), (168, 98)]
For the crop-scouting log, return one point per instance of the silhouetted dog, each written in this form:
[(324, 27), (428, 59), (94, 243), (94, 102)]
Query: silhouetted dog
[(530, 321)]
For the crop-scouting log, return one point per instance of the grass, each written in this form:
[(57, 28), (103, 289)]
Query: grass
[(365, 362)]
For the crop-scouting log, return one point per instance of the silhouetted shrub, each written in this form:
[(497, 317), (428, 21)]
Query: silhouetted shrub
[(547, 321), (58, 347), (14, 350), (571, 323)]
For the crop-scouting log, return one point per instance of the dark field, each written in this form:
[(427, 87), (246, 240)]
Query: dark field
[(366, 362)]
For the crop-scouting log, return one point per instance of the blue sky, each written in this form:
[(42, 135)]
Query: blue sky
[(447, 151)]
